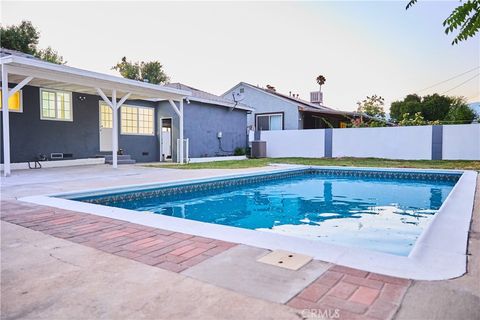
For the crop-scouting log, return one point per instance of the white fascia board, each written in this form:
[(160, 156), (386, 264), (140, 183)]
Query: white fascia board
[(103, 79)]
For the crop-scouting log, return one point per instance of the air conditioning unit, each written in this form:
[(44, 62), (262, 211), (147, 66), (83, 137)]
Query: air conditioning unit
[(316, 97)]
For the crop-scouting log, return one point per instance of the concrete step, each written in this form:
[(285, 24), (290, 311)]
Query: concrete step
[(121, 161), (109, 157)]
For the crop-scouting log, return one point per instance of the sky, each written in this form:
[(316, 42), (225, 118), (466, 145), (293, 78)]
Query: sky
[(361, 47)]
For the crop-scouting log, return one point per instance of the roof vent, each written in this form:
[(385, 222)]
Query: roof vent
[(271, 88)]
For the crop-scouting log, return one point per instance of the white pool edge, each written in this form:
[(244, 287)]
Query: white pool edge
[(438, 254)]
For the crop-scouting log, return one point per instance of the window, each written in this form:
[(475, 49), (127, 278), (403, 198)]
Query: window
[(14, 102), (269, 121), (55, 105), (106, 116), (242, 90), (137, 120)]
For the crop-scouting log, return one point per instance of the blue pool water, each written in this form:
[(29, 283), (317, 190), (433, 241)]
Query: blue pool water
[(375, 211)]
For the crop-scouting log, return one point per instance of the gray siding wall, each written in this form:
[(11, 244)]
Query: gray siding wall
[(263, 102), (202, 122), (141, 148), (29, 135)]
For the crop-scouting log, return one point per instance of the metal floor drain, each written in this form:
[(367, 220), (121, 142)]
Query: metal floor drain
[(285, 259)]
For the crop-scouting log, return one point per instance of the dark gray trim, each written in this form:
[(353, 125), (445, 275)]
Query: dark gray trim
[(437, 141), (328, 142)]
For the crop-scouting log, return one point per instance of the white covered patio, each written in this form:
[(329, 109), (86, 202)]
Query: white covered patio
[(22, 71)]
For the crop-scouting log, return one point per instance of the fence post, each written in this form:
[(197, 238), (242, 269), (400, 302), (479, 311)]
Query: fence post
[(437, 142), (328, 143)]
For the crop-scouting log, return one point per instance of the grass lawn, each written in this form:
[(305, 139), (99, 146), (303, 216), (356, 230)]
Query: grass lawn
[(349, 162)]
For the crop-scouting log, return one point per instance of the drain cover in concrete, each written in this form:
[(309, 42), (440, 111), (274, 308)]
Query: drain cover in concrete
[(285, 259), (238, 269)]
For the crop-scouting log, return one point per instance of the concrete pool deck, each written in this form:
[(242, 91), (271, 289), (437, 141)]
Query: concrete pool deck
[(47, 277)]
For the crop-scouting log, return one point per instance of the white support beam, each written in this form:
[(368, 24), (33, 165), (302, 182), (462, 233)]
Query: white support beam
[(115, 129), (5, 122), (19, 86), (104, 97), (180, 118), (122, 101), (174, 107)]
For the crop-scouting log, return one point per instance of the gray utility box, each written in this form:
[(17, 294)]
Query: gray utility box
[(259, 149)]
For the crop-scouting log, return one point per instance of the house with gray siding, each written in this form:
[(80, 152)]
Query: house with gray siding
[(214, 126), (54, 114), (277, 111)]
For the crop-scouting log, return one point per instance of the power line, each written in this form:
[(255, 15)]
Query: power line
[(449, 79), (461, 84)]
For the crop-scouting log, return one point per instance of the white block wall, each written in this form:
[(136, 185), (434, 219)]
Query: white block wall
[(461, 142), (390, 143), (295, 143)]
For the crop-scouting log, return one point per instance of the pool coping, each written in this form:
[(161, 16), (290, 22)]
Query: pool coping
[(439, 253)]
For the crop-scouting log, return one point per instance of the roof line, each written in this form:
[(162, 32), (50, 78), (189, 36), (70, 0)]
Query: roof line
[(86, 73)]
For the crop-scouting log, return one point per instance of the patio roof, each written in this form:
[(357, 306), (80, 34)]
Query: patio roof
[(22, 69), (62, 77)]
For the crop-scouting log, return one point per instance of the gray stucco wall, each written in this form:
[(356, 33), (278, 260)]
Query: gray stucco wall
[(263, 102), (202, 122), (29, 135)]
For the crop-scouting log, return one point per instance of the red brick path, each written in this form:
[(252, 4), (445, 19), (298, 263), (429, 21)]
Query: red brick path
[(161, 248), (356, 294)]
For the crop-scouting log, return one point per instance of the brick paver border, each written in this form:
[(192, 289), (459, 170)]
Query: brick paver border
[(341, 292), (165, 249), (354, 293)]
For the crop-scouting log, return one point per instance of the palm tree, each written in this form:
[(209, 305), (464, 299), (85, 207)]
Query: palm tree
[(321, 81)]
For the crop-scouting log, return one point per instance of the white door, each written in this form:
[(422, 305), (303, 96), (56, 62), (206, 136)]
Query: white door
[(166, 139), (106, 127)]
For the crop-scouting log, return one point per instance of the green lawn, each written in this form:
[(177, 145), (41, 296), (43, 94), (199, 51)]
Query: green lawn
[(349, 162)]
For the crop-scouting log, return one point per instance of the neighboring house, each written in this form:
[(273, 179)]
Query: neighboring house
[(475, 106), (61, 113), (214, 126), (276, 111)]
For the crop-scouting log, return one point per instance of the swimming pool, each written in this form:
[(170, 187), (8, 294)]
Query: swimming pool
[(428, 209), (376, 210)]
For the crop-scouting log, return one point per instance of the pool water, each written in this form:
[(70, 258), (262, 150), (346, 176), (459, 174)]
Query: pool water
[(381, 214)]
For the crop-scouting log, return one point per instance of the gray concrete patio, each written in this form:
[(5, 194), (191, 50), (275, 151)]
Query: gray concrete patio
[(44, 277)]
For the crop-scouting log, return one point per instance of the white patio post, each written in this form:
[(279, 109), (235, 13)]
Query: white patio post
[(5, 122), (115, 129), (179, 112), (114, 105), (181, 131)]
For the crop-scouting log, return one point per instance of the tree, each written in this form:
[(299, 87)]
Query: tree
[(436, 107), (151, 72), (50, 55), (465, 17), (24, 38), (372, 106), (432, 109), (412, 120), (321, 81), (459, 113), (411, 104)]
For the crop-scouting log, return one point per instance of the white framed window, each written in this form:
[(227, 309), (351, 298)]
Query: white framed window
[(15, 102), (55, 105), (269, 121), (137, 120)]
